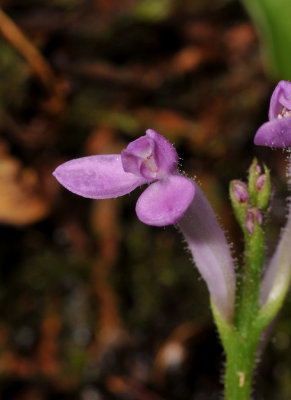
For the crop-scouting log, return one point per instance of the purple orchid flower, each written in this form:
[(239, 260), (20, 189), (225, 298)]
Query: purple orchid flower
[(277, 131), (169, 199), (151, 158)]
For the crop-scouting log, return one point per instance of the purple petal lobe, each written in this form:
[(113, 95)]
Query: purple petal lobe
[(97, 177), (167, 157), (275, 133), (280, 98), (165, 202)]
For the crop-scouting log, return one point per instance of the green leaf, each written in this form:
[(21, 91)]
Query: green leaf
[(272, 20)]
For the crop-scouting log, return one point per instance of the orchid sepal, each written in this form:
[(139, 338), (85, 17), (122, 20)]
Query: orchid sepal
[(97, 177)]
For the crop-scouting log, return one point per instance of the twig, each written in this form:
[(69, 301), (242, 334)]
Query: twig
[(13, 34)]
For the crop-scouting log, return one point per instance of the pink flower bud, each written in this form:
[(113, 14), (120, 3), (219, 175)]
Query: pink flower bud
[(253, 215), (261, 181), (240, 191)]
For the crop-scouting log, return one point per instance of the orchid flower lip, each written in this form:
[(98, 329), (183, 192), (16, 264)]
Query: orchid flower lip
[(275, 133), (174, 194)]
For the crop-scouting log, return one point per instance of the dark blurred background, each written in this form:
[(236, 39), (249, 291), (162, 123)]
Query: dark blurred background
[(94, 305)]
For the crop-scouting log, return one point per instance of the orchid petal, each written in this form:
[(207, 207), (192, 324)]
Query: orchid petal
[(138, 158), (281, 97), (167, 157), (165, 202), (97, 177), (275, 133)]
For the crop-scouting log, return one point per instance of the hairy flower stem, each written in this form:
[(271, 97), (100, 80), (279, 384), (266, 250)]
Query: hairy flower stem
[(241, 350), (240, 338), (247, 304), (240, 358), (240, 363)]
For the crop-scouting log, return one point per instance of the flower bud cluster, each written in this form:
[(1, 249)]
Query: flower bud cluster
[(250, 201)]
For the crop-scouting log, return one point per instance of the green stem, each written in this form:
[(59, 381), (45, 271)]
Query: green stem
[(240, 363), (248, 302), (240, 340), (240, 358)]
